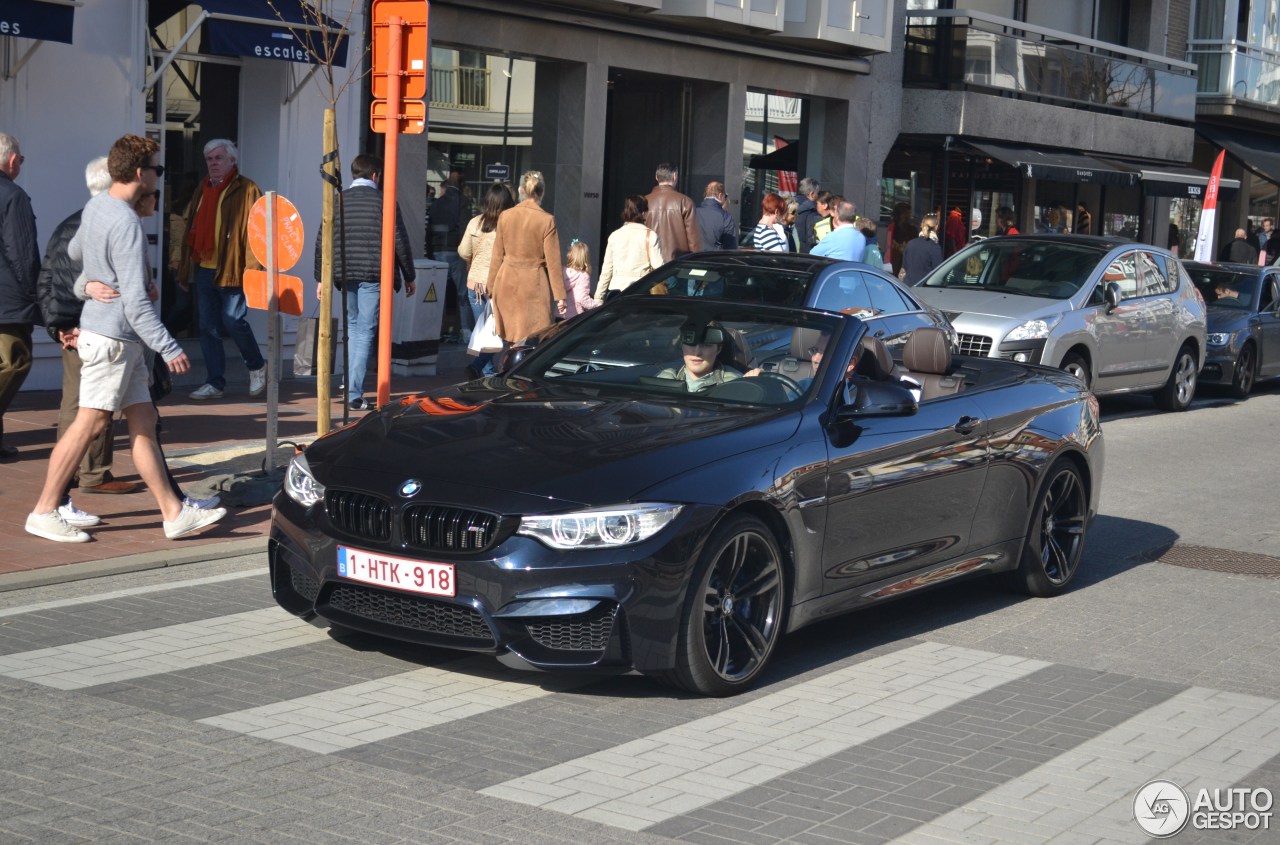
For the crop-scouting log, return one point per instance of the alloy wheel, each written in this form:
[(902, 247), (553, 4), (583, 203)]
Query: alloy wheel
[(741, 606), (1062, 526), (1244, 372), (1185, 378)]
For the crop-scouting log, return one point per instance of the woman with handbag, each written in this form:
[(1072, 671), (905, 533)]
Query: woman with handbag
[(526, 279), (476, 248), (632, 250)]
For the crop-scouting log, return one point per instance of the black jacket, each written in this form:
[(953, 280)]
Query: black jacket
[(55, 288), (449, 216), (718, 229), (806, 215), (1239, 251), (19, 256), (362, 214)]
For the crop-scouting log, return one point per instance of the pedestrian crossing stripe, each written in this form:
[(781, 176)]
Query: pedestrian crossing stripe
[(827, 724)]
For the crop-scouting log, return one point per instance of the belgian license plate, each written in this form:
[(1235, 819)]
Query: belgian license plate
[(417, 576)]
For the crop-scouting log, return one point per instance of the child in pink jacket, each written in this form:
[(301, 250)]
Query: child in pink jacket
[(577, 279)]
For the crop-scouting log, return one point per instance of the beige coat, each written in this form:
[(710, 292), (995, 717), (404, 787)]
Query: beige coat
[(476, 248), (526, 276), (632, 250)]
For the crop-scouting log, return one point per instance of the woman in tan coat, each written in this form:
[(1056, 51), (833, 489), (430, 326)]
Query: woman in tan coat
[(525, 273)]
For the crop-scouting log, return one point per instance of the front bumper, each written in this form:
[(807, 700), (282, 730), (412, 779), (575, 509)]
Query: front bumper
[(598, 608), (1219, 365)]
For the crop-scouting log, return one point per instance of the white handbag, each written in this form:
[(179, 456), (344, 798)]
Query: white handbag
[(484, 339)]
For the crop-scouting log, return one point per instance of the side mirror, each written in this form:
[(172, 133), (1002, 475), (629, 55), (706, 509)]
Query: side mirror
[(877, 399), (1112, 294), (513, 355)]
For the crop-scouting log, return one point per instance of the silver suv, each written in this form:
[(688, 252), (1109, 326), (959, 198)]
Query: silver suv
[(1122, 317)]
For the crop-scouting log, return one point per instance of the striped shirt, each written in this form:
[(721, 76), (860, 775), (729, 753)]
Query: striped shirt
[(767, 238)]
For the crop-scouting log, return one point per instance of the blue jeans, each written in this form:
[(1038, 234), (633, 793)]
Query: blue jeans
[(225, 309), (363, 299), (485, 360)]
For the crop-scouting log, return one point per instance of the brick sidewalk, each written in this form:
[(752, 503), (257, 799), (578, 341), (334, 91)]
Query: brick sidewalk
[(204, 442)]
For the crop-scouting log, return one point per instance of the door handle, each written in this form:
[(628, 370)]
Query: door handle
[(966, 425)]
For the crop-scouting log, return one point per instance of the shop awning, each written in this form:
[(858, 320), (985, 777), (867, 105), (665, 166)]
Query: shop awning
[(1256, 151), (253, 29), (1173, 181), (1057, 165), (786, 158), (39, 20)]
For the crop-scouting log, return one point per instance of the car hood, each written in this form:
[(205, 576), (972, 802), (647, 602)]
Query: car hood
[(546, 441), (1226, 319), (987, 303)]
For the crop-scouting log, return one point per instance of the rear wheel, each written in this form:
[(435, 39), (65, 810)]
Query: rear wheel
[(1075, 364), (1242, 381), (1055, 534), (733, 611), (1178, 391)]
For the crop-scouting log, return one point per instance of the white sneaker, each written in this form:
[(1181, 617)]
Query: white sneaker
[(53, 527), (191, 520), (72, 515), (206, 391), (202, 504), (257, 381)]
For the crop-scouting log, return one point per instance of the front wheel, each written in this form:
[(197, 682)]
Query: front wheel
[(733, 611), (1055, 534), (1178, 391), (1242, 381), (1077, 366)]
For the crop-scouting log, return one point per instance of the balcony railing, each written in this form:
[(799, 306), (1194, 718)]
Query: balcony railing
[(966, 49), (1236, 69), (460, 87)]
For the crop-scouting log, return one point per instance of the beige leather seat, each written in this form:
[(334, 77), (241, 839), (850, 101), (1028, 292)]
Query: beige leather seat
[(927, 357), (797, 364)]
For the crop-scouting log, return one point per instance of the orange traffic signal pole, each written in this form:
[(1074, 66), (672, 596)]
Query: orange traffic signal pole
[(395, 31)]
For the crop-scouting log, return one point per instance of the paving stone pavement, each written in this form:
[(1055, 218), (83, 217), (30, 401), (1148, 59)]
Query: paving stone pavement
[(193, 710)]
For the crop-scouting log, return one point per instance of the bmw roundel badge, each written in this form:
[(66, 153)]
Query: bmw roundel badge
[(410, 488)]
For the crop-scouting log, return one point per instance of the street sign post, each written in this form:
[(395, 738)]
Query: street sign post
[(275, 238), (400, 65)]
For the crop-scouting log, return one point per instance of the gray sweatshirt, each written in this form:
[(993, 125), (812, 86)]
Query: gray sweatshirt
[(111, 245)]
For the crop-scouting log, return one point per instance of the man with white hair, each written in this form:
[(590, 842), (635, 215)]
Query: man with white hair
[(19, 265), (61, 309), (215, 247)]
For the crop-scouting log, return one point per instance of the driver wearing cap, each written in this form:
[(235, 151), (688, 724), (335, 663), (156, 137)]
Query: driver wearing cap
[(701, 371)]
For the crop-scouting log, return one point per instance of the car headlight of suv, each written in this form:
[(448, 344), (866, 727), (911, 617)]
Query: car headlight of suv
[(597, 528), (300, 484), (1218, 338), (1034, 329)]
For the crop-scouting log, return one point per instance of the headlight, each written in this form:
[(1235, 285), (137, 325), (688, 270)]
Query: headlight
[(1218, 338), (598, 528), (1034, 329), (300, 484)]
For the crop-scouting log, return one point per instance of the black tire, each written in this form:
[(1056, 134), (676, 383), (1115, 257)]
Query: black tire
[(1075, 364), (1245, 373), (733, 611), (1055, 533), (1180, 389)]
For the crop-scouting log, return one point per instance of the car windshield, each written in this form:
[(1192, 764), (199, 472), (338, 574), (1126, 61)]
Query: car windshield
[(1224, 288), (747, 282), (716, 351), (1022, 266)]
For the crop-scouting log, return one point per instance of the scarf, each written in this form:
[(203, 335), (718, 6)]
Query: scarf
[(205, 225)]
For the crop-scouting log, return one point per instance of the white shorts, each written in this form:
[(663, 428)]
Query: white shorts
[(113, 373)]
